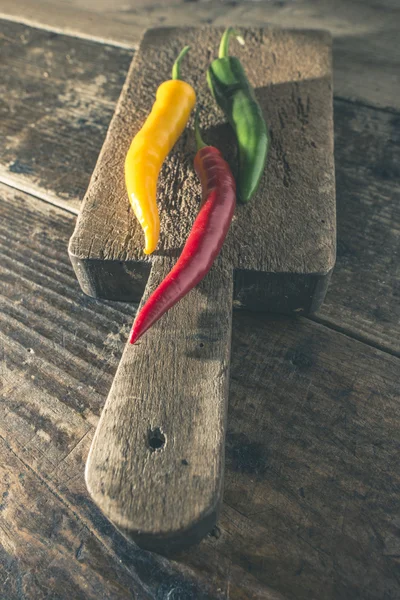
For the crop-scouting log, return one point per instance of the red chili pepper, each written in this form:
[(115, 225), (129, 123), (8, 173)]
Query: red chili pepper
[(205, 239)]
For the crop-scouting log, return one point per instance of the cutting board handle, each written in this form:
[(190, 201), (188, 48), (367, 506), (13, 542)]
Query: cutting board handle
[(156, 463)]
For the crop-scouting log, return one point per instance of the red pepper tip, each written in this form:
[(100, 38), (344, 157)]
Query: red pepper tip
[(133, 336)]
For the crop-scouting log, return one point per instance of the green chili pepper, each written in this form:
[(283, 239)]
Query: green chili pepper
[(234, 94)]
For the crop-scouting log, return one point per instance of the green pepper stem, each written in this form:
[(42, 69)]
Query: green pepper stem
[(176, 69), (224, 45), (199, 140)]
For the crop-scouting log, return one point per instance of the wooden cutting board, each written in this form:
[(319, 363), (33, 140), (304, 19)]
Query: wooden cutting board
[(156, 463)]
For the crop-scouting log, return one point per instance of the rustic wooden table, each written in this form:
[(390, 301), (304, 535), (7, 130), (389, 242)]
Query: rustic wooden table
[(312, 487)]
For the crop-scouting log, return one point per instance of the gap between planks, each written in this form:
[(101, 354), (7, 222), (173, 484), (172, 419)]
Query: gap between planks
[(358, 338), (66, 31), (38, 194), (384, 109)]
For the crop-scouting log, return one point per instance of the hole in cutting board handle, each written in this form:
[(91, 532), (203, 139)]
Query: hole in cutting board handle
[(156, 439)]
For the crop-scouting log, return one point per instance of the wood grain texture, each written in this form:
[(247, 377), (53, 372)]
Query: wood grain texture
[(314, 458), (311, 484), (363, 299), (46, 552), (366, 44), (157, 460), (289, 227), (57, 98), (59, 352)]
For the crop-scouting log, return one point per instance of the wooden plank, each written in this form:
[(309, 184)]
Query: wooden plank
[(46, 552), (58, 96), (96, 22), (156, 465), (59, 353), (312, 476), (365, 32), (314, 458), (363, 298)]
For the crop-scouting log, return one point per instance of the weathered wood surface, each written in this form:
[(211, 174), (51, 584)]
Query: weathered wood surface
[(366, 41), (364, 296), (59, 352), (156, 465), (46, 551), (311, 486), (288, 229), (360, 295), (57, 98)]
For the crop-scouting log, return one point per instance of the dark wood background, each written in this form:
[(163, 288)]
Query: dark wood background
[(312, 490)]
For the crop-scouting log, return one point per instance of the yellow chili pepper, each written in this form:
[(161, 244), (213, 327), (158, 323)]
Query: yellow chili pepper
[(175, 100)]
